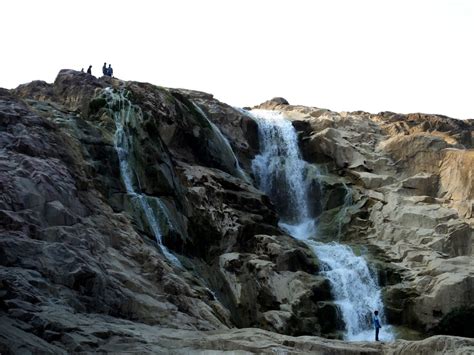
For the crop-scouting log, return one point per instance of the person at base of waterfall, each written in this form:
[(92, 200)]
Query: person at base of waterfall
[(110, 71), (377, 325), (104, 69), (89, 70)]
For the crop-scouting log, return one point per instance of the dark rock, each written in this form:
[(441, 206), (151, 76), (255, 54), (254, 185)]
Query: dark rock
[(457, 322), (80, 268), (273, 103)]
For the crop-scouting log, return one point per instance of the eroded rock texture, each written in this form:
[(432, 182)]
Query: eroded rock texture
[(412, 182), (75, 245), (80, 267)]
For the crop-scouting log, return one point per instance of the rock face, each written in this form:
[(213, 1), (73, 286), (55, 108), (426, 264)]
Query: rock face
[(412, 186), (82, 269), (75, 245)]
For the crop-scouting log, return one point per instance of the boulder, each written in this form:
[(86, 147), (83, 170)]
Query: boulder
[(331, 143), (273, 103)]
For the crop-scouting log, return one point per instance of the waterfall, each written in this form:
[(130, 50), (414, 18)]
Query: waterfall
[(355, 289), (341, 215), (280, 172), (124, 113), (223, 143)]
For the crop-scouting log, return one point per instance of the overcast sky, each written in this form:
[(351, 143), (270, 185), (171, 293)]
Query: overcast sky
[(403, 56)]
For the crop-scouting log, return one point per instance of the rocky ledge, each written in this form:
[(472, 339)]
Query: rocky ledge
[(82, 269), (412, 182)]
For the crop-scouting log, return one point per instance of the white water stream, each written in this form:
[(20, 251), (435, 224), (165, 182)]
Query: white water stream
[(280, 172), (123, 113), (223, 143)]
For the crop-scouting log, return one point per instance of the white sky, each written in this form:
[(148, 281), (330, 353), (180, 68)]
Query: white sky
[(402, 56)]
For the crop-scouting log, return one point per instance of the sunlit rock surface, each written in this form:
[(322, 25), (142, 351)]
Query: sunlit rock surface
[(80, 269), (413, 187)]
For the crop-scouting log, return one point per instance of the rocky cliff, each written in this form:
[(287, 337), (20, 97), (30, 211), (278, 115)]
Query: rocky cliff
[(84, 266), (412, 181)]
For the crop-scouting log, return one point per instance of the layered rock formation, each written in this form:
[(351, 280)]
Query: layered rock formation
[(81, 267), (412, 182)]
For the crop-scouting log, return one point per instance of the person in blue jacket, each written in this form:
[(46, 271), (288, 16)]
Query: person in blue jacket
[(110, 71), (377, 325)]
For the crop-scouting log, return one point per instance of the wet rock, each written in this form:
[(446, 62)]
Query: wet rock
[(235, 124), (80, 268), (411, 183)]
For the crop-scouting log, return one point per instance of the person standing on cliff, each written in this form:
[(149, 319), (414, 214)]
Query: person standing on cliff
[(110, 71), (104, 69), (377, 325), (89, 70)]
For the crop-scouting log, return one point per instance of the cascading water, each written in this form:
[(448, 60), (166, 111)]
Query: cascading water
[(280, 173), (343, 211), (223, 143), (355, 290), (123, 113)]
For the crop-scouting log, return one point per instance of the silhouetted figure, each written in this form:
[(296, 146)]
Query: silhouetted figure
[(82, 70), (89, 70), (104, 69), (110, 71), (377, 325)]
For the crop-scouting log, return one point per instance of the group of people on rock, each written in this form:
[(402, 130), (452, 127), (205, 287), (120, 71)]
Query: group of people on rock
[(106, 71)]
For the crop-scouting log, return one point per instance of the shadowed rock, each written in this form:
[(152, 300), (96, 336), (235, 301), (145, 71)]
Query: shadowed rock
[(80, 269)]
